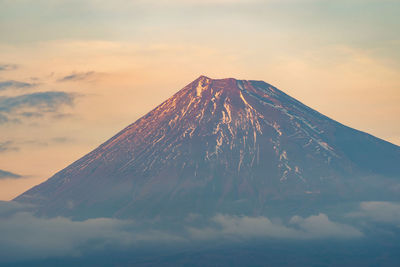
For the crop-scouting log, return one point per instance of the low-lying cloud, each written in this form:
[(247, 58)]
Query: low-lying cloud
[(28, 237), (12, 207), (379, 211), (25, 236), (313, 227)]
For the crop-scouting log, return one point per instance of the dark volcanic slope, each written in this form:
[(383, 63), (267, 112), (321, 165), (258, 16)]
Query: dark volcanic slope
[(222, 145)]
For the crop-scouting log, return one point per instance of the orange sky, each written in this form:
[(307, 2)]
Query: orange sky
[(121, 65)]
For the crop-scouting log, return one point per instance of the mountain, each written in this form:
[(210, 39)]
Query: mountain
[(223, 145)]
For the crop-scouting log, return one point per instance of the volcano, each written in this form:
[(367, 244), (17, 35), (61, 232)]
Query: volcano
[(222, 145)]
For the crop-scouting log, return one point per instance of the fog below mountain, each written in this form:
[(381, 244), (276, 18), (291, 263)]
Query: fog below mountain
[(369, 229)]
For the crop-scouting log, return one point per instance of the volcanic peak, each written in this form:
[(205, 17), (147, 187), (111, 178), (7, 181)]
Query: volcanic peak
[(221, 145), (258, 89)]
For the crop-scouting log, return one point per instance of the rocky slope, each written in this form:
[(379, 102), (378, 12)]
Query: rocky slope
[(224, 145)]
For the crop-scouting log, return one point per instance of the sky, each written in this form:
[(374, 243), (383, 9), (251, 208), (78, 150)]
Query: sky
[(74, 73)]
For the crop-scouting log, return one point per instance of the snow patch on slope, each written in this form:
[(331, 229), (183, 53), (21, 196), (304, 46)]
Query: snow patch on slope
[(202, 85)]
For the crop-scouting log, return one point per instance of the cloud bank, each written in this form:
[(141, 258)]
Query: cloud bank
[(26, 237), (313, 227), (379, 211)]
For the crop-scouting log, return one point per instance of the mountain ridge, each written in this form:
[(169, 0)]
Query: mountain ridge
[(220, 145)]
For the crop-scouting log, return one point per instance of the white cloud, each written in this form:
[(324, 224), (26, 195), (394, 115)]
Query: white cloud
[(26, 237), (313, 227), (319, 226), (379, 211)]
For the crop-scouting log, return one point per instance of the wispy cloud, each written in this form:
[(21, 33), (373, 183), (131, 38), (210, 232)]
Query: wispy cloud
[(3, 119), (4, 67), (34, 104), (46, 142), (43, 101), (4, 85), (78, 76), (8, 175), (7, 146), (61, 140), (205, 2), (31, 114)]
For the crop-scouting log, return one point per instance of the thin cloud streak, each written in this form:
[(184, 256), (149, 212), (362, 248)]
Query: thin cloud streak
[(27, 237), (7, 146), (8, 175), (4, 85), (43, 101), (80, 76), (6, 67)]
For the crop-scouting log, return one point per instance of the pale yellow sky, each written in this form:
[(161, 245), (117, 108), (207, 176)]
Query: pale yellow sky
[(125, 58)]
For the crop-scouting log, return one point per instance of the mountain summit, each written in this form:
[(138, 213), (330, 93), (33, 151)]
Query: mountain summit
[(222, 145)]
